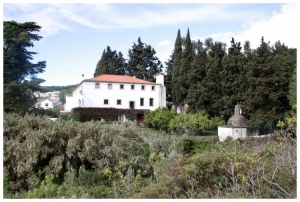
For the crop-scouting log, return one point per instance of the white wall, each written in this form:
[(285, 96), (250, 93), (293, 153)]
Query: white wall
[(93, 97), (48, 103), (235, 133)]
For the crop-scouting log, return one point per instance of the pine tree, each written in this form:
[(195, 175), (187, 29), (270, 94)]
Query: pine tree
[(211, 95), (176, 91), (232, 79), (17, 68), (267, 94), (142, 61), (196, 76)]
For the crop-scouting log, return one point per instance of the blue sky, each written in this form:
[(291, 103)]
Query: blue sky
[(75, 35)]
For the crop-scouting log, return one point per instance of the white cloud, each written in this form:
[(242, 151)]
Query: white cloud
[(281, 26), (164, 43)]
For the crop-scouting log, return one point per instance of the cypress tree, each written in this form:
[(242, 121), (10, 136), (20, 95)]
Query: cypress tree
[(176, 91), (196, 76), (111, 63), (185, 67), (120, 65), (168, 76), (102, 67), (211, 95)]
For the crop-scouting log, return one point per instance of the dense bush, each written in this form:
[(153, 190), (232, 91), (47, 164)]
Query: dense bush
[(193, 123), (70, 159), (160, 118), (169, 120), (35, 145), (108, 114)]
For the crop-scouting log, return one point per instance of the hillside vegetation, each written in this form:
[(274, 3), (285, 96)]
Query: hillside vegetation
[(70, 159)]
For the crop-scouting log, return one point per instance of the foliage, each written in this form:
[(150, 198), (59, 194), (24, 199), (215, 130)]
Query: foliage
[(17, 68), (33, 143), (67, 159), (176, 93), (142, 62), (193, 123), (195, 78), (63, 93), (53, 113), (268, 78), (111, 63), (56, 88), (169, 76), (160, 118), (211, 93), (192, 146), (108, 114), (185, 67), (233, 81)]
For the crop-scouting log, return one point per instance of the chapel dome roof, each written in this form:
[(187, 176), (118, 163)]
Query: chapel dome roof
[(237, 120)]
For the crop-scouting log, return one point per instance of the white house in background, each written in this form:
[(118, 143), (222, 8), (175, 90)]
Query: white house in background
[(54, 97), (46, 104), (118, 91)]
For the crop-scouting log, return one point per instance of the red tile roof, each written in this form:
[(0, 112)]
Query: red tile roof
[(119, 79)]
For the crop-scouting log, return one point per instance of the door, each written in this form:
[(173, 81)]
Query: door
[(131, 104)]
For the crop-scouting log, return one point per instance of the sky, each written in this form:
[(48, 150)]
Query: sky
[(75, 34)]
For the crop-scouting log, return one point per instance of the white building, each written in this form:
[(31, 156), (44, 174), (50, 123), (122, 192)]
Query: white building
[(54, 97), (236, 126), (46, 104), (118, 91)]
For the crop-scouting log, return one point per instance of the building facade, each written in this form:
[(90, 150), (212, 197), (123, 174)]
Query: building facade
[(118, 91), (46, 104)]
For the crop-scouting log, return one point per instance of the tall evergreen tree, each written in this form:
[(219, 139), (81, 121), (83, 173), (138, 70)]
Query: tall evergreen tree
[(267, 94), (120, 65), (168, 76), (102, 67), (111, 62), (211, 95), (185, 67), (142, 62), (286, 66), (232, 79), (19, 74), (176, 91), (196, 76)]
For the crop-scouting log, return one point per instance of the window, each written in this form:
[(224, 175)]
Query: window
[(97, 85), (46, 104), (119, 102), (132, 87), (105, 101), (153, 87), (151, 102), (109, 86), (121, 86), (141, 101), (143, 87)]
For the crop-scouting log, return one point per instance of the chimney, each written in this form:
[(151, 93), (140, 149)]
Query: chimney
[(160, 78)]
